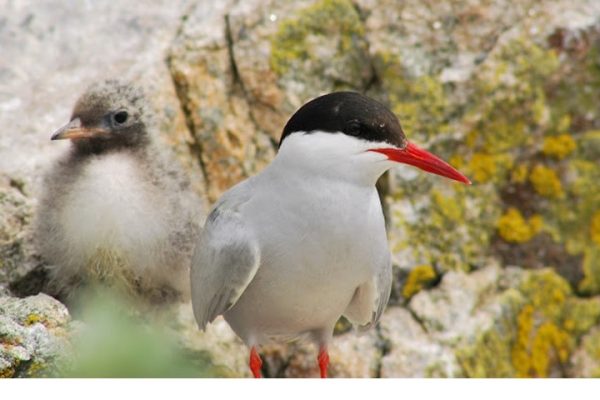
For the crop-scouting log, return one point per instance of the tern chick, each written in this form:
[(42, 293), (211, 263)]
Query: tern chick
[(115, 208)]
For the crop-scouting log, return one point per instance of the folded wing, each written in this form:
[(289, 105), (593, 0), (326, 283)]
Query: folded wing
[(225, 261)]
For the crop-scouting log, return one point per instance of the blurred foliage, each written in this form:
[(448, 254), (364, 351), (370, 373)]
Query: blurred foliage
[(116, 342)]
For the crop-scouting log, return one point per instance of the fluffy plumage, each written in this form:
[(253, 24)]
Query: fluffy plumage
[(116, 208)]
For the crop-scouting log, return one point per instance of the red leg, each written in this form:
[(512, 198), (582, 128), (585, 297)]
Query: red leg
[(255, 363), (323, 359)]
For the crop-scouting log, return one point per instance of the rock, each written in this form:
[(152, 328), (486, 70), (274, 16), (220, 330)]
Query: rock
[(216, 102), (352, 355), (586, 359), (411, 351), (534, 331), (47, 65), (15, 240), (34, 336), (226, 350), (490, 86), (459, 305)]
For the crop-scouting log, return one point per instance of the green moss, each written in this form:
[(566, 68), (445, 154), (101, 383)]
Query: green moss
[(327, 19)]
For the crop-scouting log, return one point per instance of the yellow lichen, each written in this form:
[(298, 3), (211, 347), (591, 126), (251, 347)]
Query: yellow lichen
[(483, 167), (419, 101), (519, 174), (583, 314), (486, 167), (559, 146), (519, 356), (418, 278), (550, 341), (590, 284), (595, 228), (546, 182), (541, 342), (449, 207), (33, 319), (536, 336), (513, 228), (535, 350), (326, 18)]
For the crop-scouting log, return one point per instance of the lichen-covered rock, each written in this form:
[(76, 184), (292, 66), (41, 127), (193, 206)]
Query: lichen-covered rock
[(459, 305), (586, 359), (533, 334), (34, 336), (492, 274)]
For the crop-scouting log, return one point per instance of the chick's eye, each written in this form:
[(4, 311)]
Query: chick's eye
[(121, 117)]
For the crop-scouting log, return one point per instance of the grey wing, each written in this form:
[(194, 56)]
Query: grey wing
[(383, 290), (370, 298), (225, 261)]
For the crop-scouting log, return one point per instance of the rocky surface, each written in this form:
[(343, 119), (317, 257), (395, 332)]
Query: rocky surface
[(498, 279), (34, 336), (15, 240)]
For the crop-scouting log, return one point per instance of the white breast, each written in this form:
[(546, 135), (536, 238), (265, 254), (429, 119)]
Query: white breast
[(315, 252), (111, 207)]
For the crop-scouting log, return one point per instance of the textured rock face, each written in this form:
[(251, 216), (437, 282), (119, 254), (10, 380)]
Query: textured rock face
[(34, 336), (52, 52), (498, 279), (15, 241)]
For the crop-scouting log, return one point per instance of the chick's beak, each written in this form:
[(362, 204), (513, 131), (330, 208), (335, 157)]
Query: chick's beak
[(416, 156), (74, 130)]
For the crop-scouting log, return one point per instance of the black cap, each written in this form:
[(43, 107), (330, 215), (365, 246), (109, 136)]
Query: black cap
[(350, 113)]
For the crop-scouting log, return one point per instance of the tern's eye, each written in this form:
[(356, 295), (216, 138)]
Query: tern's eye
[(120, 117)]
